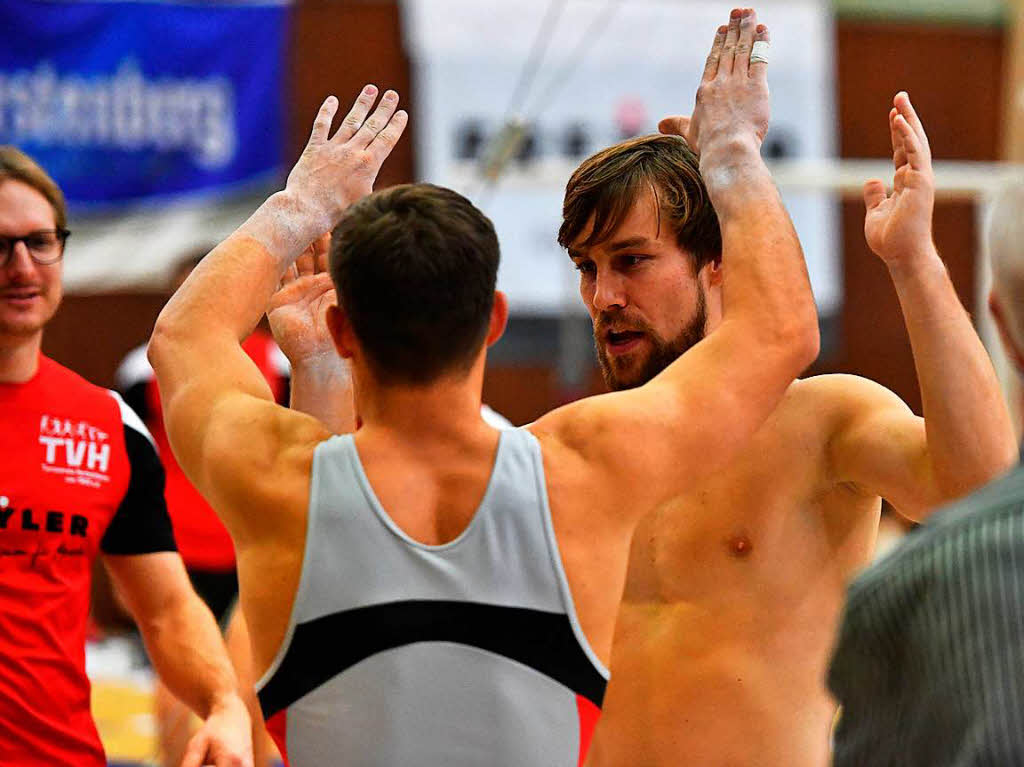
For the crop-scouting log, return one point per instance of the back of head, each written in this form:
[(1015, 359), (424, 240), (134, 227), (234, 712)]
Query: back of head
[(1006, 244), (18, 166), (415, 267), (605, 187)]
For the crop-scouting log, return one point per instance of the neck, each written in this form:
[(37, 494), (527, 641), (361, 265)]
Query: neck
[(19, 358), (440, 408)]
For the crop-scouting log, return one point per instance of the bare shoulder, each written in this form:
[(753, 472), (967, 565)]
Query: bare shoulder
[(823, 413), (843, 396), (576, 463), (562, 434), (572, 428), (258, 455)]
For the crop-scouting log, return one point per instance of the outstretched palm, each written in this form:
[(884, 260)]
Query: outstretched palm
[(297, 310), (897, 224)]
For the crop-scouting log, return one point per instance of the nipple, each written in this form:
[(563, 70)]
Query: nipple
[(740, 546)]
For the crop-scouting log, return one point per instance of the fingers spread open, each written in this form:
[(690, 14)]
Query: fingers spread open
[(385, 140), (377, 121), (357, 114), (322, 123), (732, 37), (759, 68), (711, 65), (748, 27)]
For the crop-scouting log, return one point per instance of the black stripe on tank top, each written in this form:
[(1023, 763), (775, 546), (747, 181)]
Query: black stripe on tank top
[(322, 648)]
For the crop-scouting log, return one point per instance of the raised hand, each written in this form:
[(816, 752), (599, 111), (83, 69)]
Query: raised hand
[(732, 100), (335, 171), (899, 225), (296, 311)]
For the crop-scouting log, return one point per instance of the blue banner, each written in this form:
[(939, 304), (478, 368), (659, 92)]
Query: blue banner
[(123, 101)]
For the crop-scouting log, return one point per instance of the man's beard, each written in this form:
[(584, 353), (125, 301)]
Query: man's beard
[(662, 354)]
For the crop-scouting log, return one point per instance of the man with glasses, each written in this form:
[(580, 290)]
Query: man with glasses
[(79, 477)]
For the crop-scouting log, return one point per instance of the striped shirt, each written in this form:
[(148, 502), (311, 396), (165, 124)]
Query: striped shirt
[(929, 662)]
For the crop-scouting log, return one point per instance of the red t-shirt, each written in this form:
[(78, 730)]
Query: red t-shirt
[(79, 475), (202, 539)]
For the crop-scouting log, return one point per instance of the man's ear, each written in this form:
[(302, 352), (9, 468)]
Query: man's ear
[(714, 270), (341, 331), (499, 317), (1002, 322)]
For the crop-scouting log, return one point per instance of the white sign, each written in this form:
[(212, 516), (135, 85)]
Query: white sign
[(610, 69)]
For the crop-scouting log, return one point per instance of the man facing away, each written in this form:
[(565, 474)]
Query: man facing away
[(429, 590), (80, 477), (735, 584)]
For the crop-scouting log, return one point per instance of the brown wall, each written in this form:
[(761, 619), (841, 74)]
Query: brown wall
[(337, 46), (957, 94), (952, 73)]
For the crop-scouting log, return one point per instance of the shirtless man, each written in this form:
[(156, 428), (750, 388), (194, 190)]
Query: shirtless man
[(735, 585), (425, 453)]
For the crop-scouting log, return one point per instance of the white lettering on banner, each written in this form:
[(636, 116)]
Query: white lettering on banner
[(122, 111), (68, 444)]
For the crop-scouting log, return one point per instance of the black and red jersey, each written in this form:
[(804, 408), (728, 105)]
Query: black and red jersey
[(79, 475), (202, 538)]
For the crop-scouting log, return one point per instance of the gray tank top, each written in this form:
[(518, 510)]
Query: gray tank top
[(400, 653)]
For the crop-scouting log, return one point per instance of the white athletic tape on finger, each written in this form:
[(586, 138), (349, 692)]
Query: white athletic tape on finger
[(759, 52)]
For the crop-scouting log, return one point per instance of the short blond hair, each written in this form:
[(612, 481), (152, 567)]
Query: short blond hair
[(18, 166)]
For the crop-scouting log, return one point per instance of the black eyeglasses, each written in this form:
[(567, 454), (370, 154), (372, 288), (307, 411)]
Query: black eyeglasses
[(45, 246)]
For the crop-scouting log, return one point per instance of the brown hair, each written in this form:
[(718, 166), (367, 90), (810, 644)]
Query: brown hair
[(607, 184), (18, 166), (415, 267)]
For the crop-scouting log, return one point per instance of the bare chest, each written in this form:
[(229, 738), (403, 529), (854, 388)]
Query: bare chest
[(765, 525)]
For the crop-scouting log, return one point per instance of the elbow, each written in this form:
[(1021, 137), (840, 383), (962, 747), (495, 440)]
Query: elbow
[(797, 341), (166, 336), (986, 469), (808, 342)]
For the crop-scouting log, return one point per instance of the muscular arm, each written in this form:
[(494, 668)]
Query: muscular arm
[(242, 451), (186, 648), (966, 438), (697, 413)]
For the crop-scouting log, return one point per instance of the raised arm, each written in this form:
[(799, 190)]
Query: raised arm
[(699, 411), (227, 434), (966, 437)]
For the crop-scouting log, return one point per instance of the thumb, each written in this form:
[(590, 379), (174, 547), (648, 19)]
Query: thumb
[(874, 193), (676, 125)]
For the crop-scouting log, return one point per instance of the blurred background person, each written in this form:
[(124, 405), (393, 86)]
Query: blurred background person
[(81, 477)]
